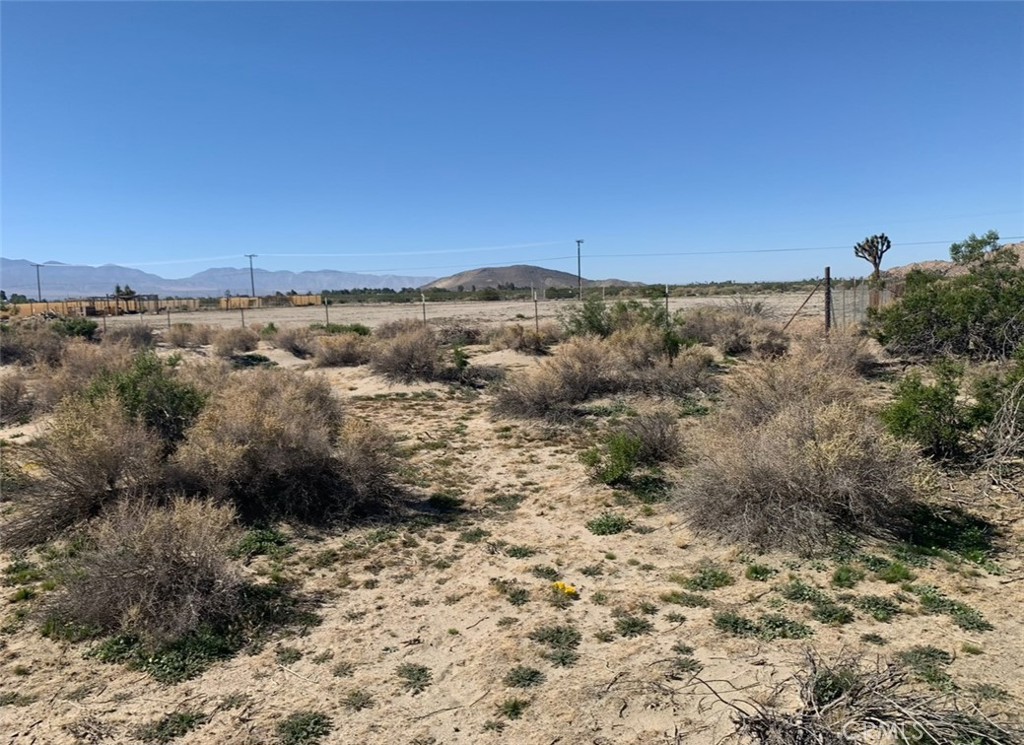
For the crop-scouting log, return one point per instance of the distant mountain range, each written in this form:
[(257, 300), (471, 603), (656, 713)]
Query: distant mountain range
[(68, 280), (520, 275)]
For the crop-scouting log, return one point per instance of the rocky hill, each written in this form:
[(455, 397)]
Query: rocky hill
[(520, 275)]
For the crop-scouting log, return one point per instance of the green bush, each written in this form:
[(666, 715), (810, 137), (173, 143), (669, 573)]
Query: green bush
[(934, 415), (976, 315), (150, 394), (82, 327)]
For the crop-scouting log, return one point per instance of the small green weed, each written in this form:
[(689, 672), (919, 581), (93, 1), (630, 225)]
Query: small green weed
[(513, 708), (685, 599), (628, 625), (172, 726), (709, 577), (303, 728), (927, 663), (609, 523), (415, 678), (357, 700), (846, 576), (760, 572), (545, 572), (523, 677)]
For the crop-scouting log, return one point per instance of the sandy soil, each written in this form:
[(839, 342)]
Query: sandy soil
[(424, 595)]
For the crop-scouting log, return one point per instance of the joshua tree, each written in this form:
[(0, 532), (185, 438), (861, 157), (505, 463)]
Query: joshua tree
[(873, 249)]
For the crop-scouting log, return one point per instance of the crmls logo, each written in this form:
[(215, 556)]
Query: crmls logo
[(876, 731)]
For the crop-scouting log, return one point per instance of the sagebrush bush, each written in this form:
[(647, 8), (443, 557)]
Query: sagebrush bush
[(188, 335), (800, 477), (150, 393), (658, 435), (520, 338), (154, 573), (391, 329), (30, 341), (341, 350), (298, 341), (459, 334), (269, 441), (232, 341), (15, 400), (135, 335), (80, 363), (92, 454), (408, 356)]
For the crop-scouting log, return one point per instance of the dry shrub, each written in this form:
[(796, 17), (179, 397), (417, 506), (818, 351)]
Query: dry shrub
[(732, 331), (156, 573), (408, 356), (80, 363), (847, 702), (300, 342), (232, 341), (658, 436), (806, 376), (186, 335), (15, 401), (459, 334), (391, 329), (800, 477), (342, 350), (691, 371), (268, 442), (91, 455), (841, 352), (30, 342), (135, 336), (638, 346), (368, 460), (206, 376)]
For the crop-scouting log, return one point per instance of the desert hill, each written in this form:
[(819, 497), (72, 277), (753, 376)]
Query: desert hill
[(520, 275)]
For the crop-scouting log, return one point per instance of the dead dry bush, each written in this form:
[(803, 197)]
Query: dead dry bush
[(341, 350), (800, 477), (368, 461), (581, 369), (848, 701), (155, 573), (206, 376), (638, 346), (391, 329), (658, 436), (408, 356), (32, 341), (135, 335), (15, 400), (92, 454), (187, 335), (757, 392), (459, 334), (526, 338), (732, 332), (692, 371), (268, 442), (229, 342), (80, 363), (300, 342), (841, 352)]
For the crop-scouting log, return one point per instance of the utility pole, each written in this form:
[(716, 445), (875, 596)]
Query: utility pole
[(579, 269), (39, 286), (252, 280)]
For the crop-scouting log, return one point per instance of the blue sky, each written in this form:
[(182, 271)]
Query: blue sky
[(399, 137)]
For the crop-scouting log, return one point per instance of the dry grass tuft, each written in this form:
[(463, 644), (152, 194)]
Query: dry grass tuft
[(187, 335), (30, 342), (16, 402), (155, 573), (408, 356), (136, 336), (298, 341), (800, 477), (391, 329), (91, 455), (520, 338), (229, 342), (341, 350), (80, 363)]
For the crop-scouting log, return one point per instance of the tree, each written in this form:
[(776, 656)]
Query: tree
[(974, 248), (872, 250)]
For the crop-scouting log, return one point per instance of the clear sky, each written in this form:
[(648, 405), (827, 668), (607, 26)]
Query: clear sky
[(401, 137)]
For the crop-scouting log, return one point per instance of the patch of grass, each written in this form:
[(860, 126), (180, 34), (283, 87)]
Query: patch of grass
[(609, 523), (801, 592), (876, 639), (989, 692), (22, 572), (514, 593), (561, 640), (505, 621), (303, 728), (895, 572), (172, 726), (262, 542), (343, 670), (928, 663), (832, 613), (415, 678), (523, 677), (520, 552), (628, 625), (493, 725), (473, 535), (592, 570), (513, 708), (709, 577), (685, 599), (934, 602), (506, 502), (880, 608), (846, 576), (14, 698), (287, 655), (545, 572), (760, 572), (769, 627), (357, 700)]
